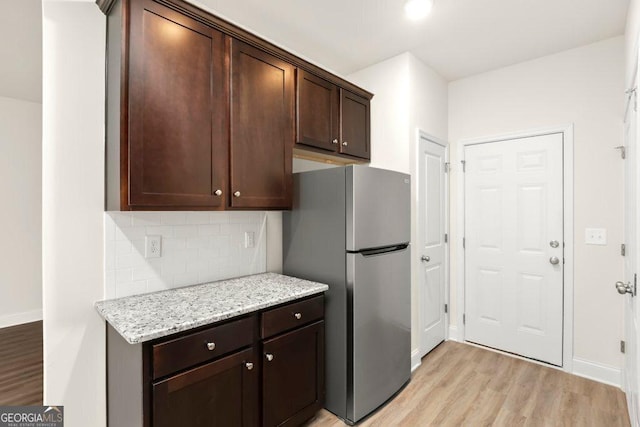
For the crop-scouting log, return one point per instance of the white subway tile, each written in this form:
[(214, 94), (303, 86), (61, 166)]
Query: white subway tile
[(124, 276), (219, 217), (131, 288), (156, 230), (109, 284), (122, 219), (198, 217), (197, 265), (198, 242), (159, 284), (171, 268), (143, 219), (208, 253), (209, 230), (109, 228), (185, 279), (185, 231), (129, 233), (245, 217), (145, 272), (174, 218), (109, 255), (123, 247), (137, 246), (124, 261)]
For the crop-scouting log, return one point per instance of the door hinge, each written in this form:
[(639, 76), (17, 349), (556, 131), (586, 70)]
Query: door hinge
[(623, 346), (623, 250), (623, 151), (446, 308), (464, 319), (446, 167), (464, 165), (635, 284), (446, 238), (464, 243)]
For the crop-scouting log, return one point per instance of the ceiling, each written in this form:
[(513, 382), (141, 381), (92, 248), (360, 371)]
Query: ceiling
[(460, 38), (21, 49)]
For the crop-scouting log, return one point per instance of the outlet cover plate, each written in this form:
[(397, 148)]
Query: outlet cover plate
[(152, 246), (595, 236)]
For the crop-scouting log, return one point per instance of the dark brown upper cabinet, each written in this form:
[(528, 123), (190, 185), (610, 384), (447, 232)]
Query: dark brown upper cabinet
[(262, 133), (331, 119), (201, 115)]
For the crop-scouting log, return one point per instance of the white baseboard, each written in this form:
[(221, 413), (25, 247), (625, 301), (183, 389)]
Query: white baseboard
[(597, 372), (20, 318), (453, 333), (415, 359)]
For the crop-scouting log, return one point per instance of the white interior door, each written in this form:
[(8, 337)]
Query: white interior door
[(514, 246), (432, 214), (631, 261)]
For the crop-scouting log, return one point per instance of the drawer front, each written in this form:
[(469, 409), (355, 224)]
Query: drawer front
[(180, 353), (292, 316)]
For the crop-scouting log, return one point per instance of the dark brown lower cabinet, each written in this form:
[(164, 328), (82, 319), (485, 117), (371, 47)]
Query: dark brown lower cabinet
[(293, 376), (221, 394)]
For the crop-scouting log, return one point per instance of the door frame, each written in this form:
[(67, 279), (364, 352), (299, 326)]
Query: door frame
[(568, 221), (420, 134)]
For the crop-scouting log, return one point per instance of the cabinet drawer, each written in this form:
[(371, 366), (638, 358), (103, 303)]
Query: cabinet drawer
[(291, 316), (172, 356)]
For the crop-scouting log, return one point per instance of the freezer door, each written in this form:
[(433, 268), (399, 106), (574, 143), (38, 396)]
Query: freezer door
[(378, 207), (379, 333)]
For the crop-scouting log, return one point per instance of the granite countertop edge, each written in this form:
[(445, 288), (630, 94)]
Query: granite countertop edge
[(108, 309)]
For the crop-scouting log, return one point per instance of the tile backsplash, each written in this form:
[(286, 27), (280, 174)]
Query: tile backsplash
[(197, 247)]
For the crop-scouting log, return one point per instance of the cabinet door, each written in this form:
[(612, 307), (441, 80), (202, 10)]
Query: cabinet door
[(219, 394), (177, 110), (354, 139), (262, 134), (293, 376), (318, 112)]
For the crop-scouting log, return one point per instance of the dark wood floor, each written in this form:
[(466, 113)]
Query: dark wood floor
[(21, 365), (462, 385)]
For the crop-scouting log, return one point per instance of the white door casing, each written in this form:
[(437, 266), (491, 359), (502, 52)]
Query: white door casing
[(631, 262), (432, 247), (513, 270)]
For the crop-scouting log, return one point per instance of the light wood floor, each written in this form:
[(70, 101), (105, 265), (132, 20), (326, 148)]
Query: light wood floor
[(463, 385), (21, 365)]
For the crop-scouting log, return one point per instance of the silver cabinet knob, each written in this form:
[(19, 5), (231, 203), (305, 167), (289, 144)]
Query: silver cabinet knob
[(269, 357), (554, 260), (335, 141), (345, 143), (554, 243), (425, 258), (624, 288), (249, 365), (218, 192), (297, 315), (211, 346), (236, 194)]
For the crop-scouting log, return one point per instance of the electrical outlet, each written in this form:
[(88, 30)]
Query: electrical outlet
[(152, 246), (249, 239), (595, 236)]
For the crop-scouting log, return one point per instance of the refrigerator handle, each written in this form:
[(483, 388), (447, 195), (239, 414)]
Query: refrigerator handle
[(384, 250)]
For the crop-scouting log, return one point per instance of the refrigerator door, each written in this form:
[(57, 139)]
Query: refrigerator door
[(379, 330), (378, 207)]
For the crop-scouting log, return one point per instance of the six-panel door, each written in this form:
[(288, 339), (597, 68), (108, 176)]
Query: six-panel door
[(177, 124)]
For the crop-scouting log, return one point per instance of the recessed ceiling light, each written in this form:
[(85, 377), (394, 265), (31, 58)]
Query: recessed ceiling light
[(417, 9)]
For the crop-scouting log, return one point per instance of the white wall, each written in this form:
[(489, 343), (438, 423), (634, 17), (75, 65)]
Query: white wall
[(73, 205), (21, 214), (408, 96), (583, 86)]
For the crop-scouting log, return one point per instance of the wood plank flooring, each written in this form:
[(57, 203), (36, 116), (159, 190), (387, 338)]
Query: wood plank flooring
[(21, 365), (462, 385)]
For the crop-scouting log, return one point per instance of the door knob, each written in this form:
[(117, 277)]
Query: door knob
[(425, 258), (554, 260), (554, 243), (624, 288)]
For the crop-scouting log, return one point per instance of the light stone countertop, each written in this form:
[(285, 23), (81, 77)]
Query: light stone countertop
[(145, 317)]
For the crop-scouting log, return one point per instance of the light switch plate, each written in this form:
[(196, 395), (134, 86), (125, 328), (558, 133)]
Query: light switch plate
[(595, 236)]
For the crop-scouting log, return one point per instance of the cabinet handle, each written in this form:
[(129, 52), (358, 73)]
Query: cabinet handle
[(345, 143), (218, 192), (236, 194), (249, 365), (335, 141), (297, 315), (211, 346), (269, 357)]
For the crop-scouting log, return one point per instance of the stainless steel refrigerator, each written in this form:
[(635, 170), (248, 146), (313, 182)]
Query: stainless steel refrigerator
[(350, 228)]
